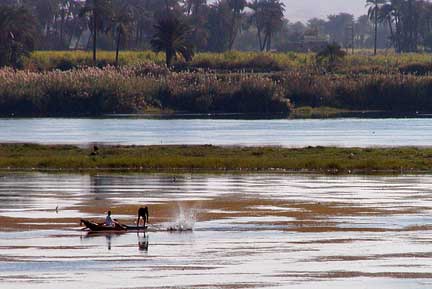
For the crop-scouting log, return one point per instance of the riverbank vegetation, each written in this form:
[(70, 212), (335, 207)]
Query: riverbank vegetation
[(136, 89), (212, 158), (187, 76), (92, 91)]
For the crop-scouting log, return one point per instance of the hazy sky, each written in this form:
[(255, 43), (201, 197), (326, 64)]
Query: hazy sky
[(302, 10)]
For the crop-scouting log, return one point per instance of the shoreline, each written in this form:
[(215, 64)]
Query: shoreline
[(16, 157)]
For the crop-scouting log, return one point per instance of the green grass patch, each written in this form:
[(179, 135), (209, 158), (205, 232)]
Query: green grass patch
[(318, 112), (213, 158), (359, 63)]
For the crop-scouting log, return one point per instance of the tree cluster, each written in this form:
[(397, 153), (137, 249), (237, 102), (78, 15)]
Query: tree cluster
[(409, 22), (175, 26)]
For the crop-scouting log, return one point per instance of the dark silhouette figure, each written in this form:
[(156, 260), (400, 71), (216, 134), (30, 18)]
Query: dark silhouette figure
[(144, 214)]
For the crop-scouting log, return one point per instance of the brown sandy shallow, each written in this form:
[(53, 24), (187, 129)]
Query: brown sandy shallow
[(302, 238), (29, 224), (305, 217), (374, 257)]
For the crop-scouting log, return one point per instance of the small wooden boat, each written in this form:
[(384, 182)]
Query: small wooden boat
[(95, 227)]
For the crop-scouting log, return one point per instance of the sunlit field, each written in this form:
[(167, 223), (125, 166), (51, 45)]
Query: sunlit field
[(361, 61)]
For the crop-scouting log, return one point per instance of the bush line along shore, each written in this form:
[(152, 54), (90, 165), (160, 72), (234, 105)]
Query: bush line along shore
[(216, 159), (61, 84)]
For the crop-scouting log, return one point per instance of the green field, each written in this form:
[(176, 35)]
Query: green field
[(386, 62), (212, 158)]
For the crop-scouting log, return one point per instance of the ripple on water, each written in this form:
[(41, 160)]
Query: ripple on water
[(251, 231)]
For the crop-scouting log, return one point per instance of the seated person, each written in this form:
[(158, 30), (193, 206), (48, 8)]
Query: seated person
[(108, 221)]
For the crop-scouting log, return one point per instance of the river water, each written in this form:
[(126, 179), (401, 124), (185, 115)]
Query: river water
[(282, 132), (249, 231)]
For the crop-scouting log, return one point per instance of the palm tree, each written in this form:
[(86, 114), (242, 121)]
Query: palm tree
[(17, 30), (273, 12), (256, 18), (268, 17), (218, 26), (100, 17), (237, 6), (171, 36), (331, 54), (122, 19), (64, 11), (374, 7), (197, 17), (46, 11), (385, 15), (193, 7)]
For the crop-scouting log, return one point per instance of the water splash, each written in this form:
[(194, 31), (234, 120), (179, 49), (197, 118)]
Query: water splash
[(184, 221)]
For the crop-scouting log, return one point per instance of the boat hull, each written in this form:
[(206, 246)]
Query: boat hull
[(95, 227)]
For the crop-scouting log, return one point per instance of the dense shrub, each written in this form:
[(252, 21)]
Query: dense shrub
[(134, 89), (362, 92), (86, 91), (416, 68), (236, 93)]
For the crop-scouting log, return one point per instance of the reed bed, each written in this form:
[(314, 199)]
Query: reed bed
[(149, 86), (386, 92), (92, 91)]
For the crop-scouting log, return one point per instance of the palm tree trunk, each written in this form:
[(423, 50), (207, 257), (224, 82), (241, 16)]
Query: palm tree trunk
[(376, 30), (169, 57), (391, 29), (94, 36), (264, 44), (415, 32), (269, 43), (137, 39), (117, 47), (398, 34), (167, 7), (61, 30), (259, 37), (233, 31)]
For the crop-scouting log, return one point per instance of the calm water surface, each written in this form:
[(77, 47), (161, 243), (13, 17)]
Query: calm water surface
[(289, 133), (250, 231)]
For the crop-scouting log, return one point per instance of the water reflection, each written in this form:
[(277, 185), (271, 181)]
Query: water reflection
[(143, 241), (96, 237), (108, 239), (258, 230), (111, 238)]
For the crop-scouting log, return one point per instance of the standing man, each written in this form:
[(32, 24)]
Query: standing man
[(144, 214)]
